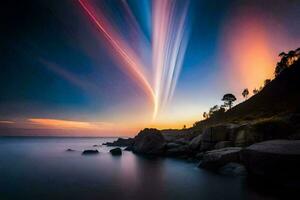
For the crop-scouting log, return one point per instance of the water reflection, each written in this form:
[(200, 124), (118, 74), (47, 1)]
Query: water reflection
[(41, 168)]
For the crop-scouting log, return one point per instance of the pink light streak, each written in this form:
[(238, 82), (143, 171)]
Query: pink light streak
[(124, 55), (169, 42)]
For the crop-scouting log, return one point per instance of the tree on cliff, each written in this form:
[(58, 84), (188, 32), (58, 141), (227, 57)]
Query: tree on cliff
[(205, 115), (228, 100), (287, 59), (245, 93)]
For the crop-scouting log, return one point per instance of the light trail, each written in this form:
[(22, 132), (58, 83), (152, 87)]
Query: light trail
[(169, 42)]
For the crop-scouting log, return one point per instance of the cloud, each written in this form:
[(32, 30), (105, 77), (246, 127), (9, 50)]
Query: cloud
[(68, 124), (6, 122)]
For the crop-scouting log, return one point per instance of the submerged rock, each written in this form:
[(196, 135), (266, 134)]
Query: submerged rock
[(217, 158), (70, 150), (273, 159), (149, 141), (116, 152), (90, 152), (233, 169)]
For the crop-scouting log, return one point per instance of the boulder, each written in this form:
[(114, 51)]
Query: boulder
[(217, 158), (171, 145), (195, 143), (260, 131), (233, 169), (178, 151), (215, 134), (90, 152), (116, 152), (149, 141), (273, 159), (121, 142), (223, 144)]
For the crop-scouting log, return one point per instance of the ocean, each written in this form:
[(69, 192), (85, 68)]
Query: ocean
[(41, 168)]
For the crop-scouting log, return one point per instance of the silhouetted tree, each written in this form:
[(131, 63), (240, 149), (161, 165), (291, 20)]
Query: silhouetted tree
[(184, 126), (228, 100), (205, 115), (245, 93), (255, 91), (287, 59), (213, 109), (267, 81)]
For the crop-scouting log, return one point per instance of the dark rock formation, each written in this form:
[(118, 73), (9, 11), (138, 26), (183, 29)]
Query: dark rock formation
[(273, 159), (223, 144), (217, 158), (171, 145), (178, 151), (149, 141), (215, 134), (90, 152), (195, 143), (116, 152), (121, 142)]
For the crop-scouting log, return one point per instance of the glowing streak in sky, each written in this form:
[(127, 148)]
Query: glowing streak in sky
[(169, 42), (169, 46), (126, 55)]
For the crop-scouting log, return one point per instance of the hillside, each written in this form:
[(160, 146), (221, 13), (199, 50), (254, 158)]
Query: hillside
[(281, 96)]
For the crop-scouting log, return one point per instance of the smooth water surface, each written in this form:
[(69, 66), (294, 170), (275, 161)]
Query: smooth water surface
[(41, 168)]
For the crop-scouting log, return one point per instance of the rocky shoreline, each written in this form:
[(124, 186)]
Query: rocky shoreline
[(266, 149)]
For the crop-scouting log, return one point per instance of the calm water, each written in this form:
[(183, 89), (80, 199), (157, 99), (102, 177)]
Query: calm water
[(40, 168)]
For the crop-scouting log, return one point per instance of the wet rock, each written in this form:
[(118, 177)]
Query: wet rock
[(217, 158), (90, 152), (149, 141), (116, 152)]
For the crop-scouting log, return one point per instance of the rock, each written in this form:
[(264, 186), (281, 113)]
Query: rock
[(121, 142), (295, 136), (223, 144), (116, 152), (260, 131), (199, 156), (273, 159), (90, 152), (215, 134), (217, 158), (171, 145), (70, 150), (129, 148), (182, 141), (149, 141), (96, 145), (178, 151), (195, 143), (233, 169)]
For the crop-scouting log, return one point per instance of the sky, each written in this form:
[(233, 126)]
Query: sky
[(113, 67)]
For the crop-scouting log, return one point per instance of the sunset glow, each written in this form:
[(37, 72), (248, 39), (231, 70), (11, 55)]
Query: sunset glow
[(115, 67)]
